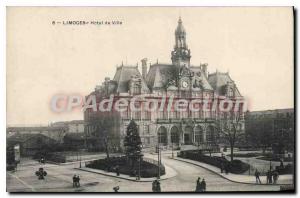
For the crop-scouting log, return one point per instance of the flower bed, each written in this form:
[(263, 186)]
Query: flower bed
[(236, 166), (147, 168)]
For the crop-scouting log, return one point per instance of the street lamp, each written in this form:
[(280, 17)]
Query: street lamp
[(172, 151)]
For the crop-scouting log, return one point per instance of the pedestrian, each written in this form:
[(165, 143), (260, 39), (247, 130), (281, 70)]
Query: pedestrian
[(154, 184), (226, 169), (77, 181), (257, 174), (158, 189), (117, 170), (42, 160), (74, 180), (275, 177), (203, 185), (135, 173), (270, 177), (222, 167), (198, 185)]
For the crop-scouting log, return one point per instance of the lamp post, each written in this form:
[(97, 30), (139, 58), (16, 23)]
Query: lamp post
[(158, 161), (172, 151)]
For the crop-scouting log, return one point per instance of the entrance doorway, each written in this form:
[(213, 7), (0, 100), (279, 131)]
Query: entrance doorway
[(187, 139)]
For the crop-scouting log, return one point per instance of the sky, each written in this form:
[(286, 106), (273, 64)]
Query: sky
[(253, 44)]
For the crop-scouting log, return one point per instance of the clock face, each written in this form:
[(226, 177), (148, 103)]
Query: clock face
[(185, 84)]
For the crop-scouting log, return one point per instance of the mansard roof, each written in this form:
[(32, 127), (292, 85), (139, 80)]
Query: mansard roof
[(123, 76), (159, 74), (219, 80)]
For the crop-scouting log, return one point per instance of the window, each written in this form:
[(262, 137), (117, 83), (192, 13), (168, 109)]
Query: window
[(146, 129), (136, 88), (231, 92)]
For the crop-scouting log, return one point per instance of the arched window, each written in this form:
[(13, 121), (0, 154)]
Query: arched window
[(198, 134), (162, 135), (210, 134), (188, 135), (174, 135)]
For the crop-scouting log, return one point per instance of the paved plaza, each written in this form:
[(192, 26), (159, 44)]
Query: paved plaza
[(59, 179)]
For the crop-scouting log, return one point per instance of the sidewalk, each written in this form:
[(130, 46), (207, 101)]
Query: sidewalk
[(244, 179), (169, 174)]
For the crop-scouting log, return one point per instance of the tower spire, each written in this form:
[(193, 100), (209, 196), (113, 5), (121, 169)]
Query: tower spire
[(181, 53)]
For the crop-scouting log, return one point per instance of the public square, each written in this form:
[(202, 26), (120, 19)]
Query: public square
[(59, 179)]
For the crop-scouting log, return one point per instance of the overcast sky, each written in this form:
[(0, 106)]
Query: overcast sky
[(254, 44)]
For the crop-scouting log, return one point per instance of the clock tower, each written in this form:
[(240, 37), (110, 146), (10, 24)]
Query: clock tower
[(181, 55)]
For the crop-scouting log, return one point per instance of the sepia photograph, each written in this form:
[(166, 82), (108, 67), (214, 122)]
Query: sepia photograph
[(150, 99)]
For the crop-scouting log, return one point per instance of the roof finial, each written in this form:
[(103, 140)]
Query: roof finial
[(157, 61), (179, 20), (122, 63)]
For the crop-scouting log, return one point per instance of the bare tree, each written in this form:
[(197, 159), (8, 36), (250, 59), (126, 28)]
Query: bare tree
[(104, 126), (230, 127)]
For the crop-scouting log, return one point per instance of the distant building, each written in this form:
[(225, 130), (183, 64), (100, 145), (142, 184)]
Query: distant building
[(54, 132), (30, 144), (271, 128), (168, 128), (65, 135), (74, 126)]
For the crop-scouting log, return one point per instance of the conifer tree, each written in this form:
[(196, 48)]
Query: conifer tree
[(132, 142)]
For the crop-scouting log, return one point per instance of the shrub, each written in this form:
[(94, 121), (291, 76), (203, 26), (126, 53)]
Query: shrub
[(147, 169), (236, 166), (288, 169), (52, 157)]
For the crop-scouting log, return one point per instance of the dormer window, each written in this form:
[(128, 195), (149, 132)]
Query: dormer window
[(136, 89), (231, 92)]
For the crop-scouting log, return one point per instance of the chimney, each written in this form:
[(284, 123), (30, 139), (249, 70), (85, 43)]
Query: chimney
[(144, 67), (204, 68)]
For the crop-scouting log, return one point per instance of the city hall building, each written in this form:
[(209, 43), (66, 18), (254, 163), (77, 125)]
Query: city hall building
[(163, 84)]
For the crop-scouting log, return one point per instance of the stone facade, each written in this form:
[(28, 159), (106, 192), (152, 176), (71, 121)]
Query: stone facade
[(175, 81)]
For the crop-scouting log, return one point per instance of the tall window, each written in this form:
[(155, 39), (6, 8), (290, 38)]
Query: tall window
[(162, 136), (175, 135), (136, 89), (231, 92), (146, 129), (198, 135)]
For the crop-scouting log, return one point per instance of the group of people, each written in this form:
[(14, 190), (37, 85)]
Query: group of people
[(201, 185), (76, 181), (156, 186), (272, 177)]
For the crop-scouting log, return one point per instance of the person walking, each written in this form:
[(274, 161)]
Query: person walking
[(270, 181), (257, 174), (77, 181), (203, 185), (275, 177), (117, 170), (198, 185), (74, 180), (154, 186), (158, 189)]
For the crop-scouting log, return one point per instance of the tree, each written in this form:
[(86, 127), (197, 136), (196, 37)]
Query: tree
[(132, 143), (230, 128), (105, 125)]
